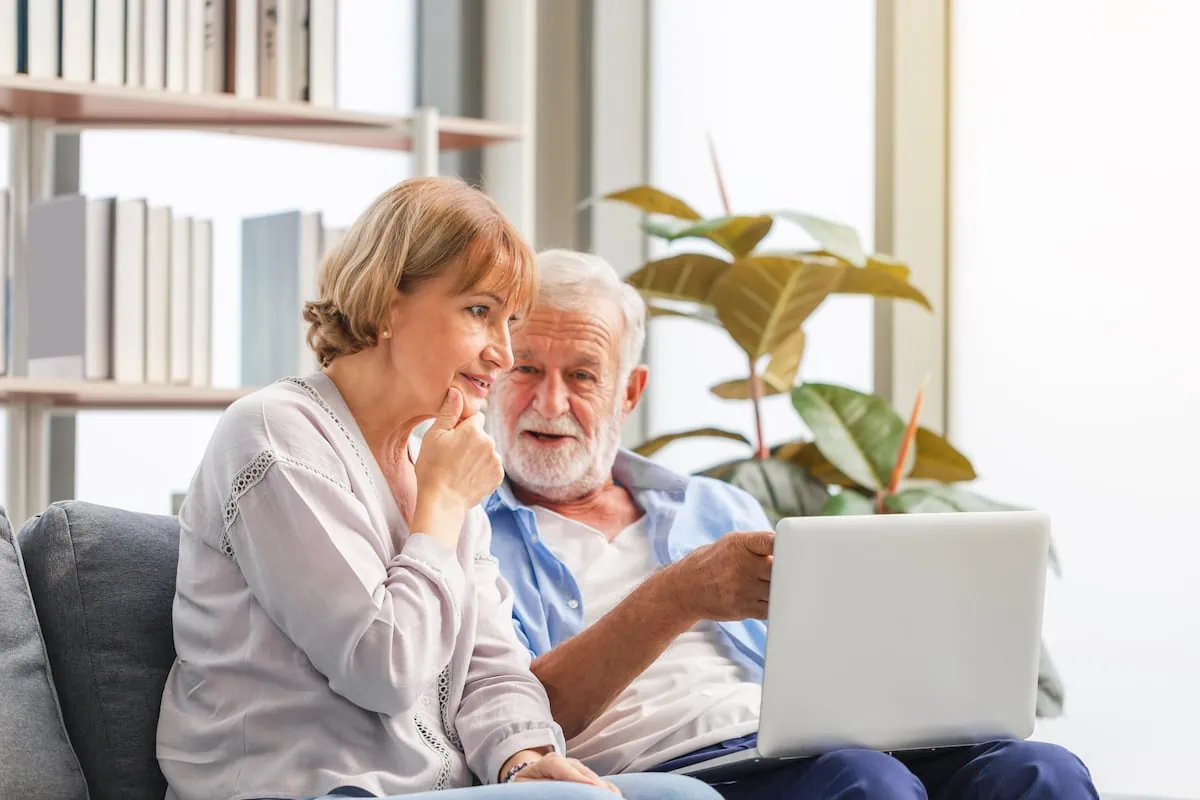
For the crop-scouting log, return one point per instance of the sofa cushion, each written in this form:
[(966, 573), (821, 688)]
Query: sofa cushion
[(103, 581), (37, 758)]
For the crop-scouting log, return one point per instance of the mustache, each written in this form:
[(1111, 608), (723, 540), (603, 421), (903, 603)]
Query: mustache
[(566, 425)]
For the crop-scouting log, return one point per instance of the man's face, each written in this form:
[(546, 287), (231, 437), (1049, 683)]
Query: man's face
[(557, 415)]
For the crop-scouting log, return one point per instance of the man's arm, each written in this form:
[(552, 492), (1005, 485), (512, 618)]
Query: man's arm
[(586, 673), (726, 580)]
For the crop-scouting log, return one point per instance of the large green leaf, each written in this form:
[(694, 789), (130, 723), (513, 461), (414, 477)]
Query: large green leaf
[(838, 239), (889, 265), (881, 261), (809, 457), (938, 460), (782, 489), (848, 503), (739, 389), (738, 234), (940, 499), (1051, 696), (689, 277), (859, 433), (700, 314), (652, 446), (879, 282), (764, 300), (654, 201), (777, 378)]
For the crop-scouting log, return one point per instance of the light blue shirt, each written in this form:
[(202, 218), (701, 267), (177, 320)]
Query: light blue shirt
[(682, 514)]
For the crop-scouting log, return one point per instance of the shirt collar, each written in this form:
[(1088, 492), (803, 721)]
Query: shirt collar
[(635, 473)]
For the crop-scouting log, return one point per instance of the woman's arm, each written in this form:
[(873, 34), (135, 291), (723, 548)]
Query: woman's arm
[(380, 632), (504, 708)]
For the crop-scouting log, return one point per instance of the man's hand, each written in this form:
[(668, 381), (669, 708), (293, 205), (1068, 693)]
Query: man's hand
[(729, 579)]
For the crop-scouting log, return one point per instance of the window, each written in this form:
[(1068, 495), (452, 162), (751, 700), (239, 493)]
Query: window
[(1074, 370), (787, 89)]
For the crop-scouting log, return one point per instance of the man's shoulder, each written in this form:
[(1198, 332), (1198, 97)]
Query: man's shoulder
[(719, 491)]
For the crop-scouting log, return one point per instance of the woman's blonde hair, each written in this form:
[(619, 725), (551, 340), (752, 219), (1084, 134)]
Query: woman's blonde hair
[(417, 230)]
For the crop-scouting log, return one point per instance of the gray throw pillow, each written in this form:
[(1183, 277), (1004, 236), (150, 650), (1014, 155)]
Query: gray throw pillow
[(103, 581), (36, 759)]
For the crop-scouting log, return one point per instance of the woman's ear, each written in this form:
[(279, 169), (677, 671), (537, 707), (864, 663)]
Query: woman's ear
[(395, 314)]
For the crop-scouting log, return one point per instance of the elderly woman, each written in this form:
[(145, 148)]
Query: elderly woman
[(340, 625)]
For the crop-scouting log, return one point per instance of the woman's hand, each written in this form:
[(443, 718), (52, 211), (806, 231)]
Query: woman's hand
[(457, 469), (553, 767)]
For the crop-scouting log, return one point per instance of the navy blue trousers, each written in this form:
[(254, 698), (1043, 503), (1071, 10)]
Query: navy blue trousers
[(1002, 770)]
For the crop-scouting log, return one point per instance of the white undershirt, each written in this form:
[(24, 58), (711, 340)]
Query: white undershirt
[(692, 697)]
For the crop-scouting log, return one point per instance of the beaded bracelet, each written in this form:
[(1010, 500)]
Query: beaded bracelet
[(513, 770)]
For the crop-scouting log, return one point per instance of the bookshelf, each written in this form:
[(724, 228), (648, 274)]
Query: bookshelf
[(71, 395), (77, 106), (36, 109)]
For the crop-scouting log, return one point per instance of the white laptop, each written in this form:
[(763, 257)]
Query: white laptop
[(899, 632)]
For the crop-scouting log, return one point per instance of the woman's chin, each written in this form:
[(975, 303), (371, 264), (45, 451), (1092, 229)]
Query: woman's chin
[(474, 405)]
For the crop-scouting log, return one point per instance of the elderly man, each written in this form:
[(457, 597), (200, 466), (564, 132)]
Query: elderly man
[(641, 593)]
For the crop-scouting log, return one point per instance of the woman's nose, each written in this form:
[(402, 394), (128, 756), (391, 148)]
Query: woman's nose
[(499, 350)]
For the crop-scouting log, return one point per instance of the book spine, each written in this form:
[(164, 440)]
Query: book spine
[(154, 44)]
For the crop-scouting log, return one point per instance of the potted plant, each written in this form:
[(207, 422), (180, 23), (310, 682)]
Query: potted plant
[(863, 457)]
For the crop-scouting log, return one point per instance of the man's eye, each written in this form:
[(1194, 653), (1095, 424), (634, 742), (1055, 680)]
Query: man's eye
[(524, 369), (583, 376)]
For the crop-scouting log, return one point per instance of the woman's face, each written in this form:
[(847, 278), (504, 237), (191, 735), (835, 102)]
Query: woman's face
[(442, 337)]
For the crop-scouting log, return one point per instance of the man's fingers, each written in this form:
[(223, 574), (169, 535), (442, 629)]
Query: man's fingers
[(762, 568), (761, 543)]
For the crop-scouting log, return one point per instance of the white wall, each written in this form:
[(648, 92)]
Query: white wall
[(1075, 363), (787, 89), (135, 460)]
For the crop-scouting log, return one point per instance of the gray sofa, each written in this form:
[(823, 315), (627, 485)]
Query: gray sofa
[(85, 647)]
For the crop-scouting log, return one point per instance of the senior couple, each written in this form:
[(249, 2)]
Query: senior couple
[(499, 613)]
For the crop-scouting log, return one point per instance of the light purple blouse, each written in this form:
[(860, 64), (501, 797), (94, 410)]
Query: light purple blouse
[(320, 643)]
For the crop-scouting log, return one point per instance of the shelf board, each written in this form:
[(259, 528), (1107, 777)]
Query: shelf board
[(112, 395), (89, 105)]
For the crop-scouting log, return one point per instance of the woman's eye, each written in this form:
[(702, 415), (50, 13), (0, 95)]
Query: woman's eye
[(479, 312)]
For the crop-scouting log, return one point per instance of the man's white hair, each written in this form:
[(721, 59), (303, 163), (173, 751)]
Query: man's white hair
[(573, 281)]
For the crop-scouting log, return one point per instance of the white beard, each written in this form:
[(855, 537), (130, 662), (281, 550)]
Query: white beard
[(563, 472)]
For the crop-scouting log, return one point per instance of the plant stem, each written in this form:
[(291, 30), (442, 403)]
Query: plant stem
[(756, 394), (756, 397), (712, 152)]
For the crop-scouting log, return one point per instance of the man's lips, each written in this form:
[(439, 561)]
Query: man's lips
[(547, 438)]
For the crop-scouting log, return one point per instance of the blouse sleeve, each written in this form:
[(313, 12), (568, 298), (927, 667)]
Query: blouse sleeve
[(504, 708), (379, 631)]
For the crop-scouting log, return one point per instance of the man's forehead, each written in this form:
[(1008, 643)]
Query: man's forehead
[(562, 330)]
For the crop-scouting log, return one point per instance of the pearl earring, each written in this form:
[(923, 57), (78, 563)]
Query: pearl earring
[(386, 334)]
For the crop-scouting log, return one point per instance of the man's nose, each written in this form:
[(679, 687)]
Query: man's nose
[(551, 398)]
